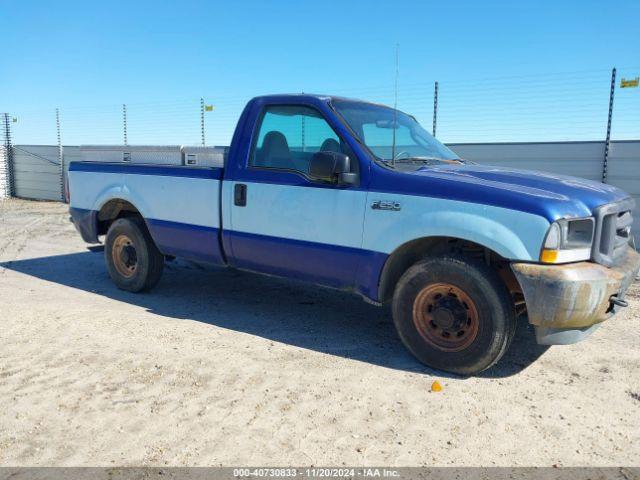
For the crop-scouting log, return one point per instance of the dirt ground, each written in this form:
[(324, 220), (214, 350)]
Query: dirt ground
[(217, 367)]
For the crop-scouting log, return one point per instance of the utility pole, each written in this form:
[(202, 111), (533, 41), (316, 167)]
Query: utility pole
[(607, 140), (202, 119), (124, 123), (60, 155), (435, 108)]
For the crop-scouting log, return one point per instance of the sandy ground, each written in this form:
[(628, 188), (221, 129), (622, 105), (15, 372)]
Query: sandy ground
[(220, 367)]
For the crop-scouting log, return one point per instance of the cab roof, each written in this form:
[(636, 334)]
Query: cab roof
[(316, 96)]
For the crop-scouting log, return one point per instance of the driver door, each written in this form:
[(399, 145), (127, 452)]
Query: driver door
[(282, 221)]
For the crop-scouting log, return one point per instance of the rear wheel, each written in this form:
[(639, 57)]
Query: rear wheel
[(133, 261), (454, 314)]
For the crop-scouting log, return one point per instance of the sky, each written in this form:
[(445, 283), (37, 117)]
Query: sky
[(507, 70)]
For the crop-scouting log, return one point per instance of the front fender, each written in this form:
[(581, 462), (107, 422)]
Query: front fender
[(513, 234)]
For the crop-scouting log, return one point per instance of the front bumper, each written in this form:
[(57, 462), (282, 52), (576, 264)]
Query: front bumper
[(566, 303)]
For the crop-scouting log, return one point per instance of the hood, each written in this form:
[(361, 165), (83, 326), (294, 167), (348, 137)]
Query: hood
[(546, 194)]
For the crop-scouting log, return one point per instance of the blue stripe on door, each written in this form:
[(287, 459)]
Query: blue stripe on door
[(330, 265)]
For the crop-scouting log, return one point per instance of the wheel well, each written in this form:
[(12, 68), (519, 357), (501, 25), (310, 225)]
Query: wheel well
[(112, 210), (411, 252)]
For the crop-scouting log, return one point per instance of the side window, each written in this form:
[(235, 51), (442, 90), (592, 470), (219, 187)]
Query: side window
[(290, 135)]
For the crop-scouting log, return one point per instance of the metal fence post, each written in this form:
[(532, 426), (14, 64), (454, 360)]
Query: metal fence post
[(60, 156), (8, 156), (124, 122), (607, 140), (435, 107), (202, 119)]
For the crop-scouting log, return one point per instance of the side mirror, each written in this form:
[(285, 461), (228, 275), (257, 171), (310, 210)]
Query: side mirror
[(332, 167)]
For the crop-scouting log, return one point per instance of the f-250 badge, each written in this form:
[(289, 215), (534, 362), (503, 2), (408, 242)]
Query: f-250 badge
[(386, 205)]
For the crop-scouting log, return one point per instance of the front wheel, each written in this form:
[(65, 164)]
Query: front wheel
[(454, 314), (134, 262)]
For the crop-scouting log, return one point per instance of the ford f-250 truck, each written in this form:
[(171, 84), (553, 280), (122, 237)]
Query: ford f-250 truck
[(358, 196)]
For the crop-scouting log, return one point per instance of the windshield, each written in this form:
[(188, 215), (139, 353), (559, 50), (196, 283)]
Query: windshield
[(407, 143)]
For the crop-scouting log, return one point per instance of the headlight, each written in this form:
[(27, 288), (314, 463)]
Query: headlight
[(568, 241)]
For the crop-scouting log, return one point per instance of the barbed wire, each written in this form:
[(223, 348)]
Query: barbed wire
[(542, 107)]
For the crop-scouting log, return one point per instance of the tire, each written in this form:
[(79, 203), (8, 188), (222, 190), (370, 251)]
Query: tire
[(133, 261), (454, 314)]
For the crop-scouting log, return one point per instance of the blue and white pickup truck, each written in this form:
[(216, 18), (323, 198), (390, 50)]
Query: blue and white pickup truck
[(358, 196)]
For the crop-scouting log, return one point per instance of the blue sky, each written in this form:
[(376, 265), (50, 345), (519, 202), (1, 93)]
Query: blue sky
[(507, 70)]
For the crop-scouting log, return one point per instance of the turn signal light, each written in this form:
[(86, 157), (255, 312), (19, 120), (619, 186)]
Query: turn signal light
[(549, 256)]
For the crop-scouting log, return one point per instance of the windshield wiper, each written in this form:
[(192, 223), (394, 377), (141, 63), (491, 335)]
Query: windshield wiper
[(428, 160)]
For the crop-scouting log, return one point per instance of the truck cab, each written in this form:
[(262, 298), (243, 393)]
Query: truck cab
[(358, 196)]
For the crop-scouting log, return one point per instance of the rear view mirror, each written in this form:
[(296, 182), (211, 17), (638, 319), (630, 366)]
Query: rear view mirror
[(387, 124), (332, 167)]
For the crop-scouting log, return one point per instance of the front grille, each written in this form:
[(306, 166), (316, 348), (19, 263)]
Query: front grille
[(613, 231)]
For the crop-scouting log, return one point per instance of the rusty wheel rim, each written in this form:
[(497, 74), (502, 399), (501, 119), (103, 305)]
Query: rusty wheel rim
[(445, 317), (125, 257)]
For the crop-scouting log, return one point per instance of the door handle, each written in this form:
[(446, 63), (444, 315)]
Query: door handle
[(240, 195)]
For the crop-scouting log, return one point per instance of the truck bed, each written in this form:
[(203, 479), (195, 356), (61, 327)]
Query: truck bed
[(180, 204)]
